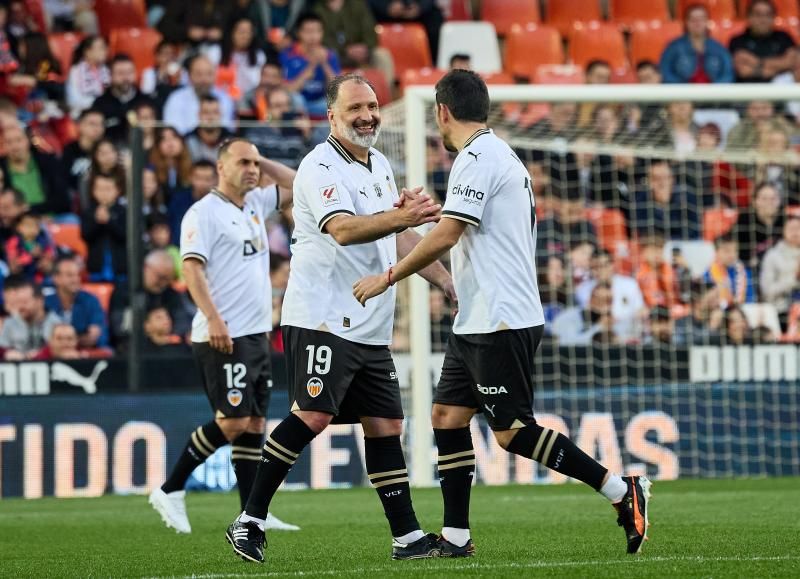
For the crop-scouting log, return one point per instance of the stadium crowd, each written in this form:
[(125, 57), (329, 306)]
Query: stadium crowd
[(624, 202)]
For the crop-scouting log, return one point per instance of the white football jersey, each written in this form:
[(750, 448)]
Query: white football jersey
[(330, 182), (494, 271), (232, 242)]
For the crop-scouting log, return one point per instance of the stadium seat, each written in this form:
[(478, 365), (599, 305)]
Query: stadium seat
[(788, 9), (648, 40), (478, 39), (718, 221), (102, 291), (562, 14), (790, 26), (460, 10), (382, 89), (597, 40), (138, 43), (529, 46), (722, 31), (421, 76), (610, 227), (408, 44), (36, 10), (120, 14), (497, 78), (627, 12), (504, 14), (763, 315), (62, 45), (69, 235), (718, 10), (559, 74), (699, 255)]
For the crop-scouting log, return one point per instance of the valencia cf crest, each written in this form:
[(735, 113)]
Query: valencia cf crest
[(314, 387), (235, 397), (378, 191)]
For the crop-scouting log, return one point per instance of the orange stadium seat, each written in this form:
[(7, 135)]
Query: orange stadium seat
[(120, 14), (62, 45), (790, 26), (426, 76), (460, 10), (717, 222), (784, 8), (529, 46), (69, 235), (627, 12), (505, 13), (609, 224), (497, 78), (559, 74), (597, 40), (408, 44), (724, 30), (717, 9), (564, 13), (378, 80), (647, 42), (36, 10), (102, 291), (138, 43)]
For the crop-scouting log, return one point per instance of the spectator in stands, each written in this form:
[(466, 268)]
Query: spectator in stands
[(20, 19), (38, 176), (166, 75), (558, 124), (77, 307), (120, 99), (597, 72), (732, 277), (106, 161), (780, 272), (647, 72), (182, 107), (350, 31), (425, 12), (145, 117), (761, 51), (695, 57), (290, 135), (678, 131), (760, 116), (158, 337), (567, 227), (158, 275), (204, 141), (461, 61), (104, 228), (605, 125), (255, 104), (663, 208), (735, 327), (643, 115), (159, 237), (709, 137), (39, 72), (259, 14), (30, 251), (77, 155), (203, 179), (62, 344), (759, 227), (662, 327), (554, 288), (778, 164), (309, 66), (68, 15), (792, 108), (12, 205), (441, 320), (196, 22), (24, 332), (89, 75), (241, 53), (171, 159), (655, 275), (577, 326), (628, 304), (8, 60), (153, 198), (702, 326)]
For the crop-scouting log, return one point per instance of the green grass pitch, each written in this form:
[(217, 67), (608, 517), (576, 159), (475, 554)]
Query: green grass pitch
[(742, 528)]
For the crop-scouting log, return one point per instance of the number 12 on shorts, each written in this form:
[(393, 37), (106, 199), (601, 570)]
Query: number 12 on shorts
[(235, 374), (319, 359)]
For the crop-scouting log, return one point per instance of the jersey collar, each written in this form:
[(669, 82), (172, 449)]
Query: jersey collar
[(347, 155), (226, 199), (475, 135)]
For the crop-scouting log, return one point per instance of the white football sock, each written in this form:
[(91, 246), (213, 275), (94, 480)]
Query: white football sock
[(409, 538), (245, 518), (459, 537), (614, 489)]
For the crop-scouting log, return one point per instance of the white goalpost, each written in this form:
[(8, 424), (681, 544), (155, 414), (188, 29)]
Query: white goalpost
[(407, 131)]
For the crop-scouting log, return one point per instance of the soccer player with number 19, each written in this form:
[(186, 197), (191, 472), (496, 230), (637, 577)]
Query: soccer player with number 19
[(489, 225)]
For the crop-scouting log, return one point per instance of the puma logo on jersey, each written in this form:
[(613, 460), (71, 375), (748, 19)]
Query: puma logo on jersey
[(327, 167), (363, 191), (476, 155), (490, 409)]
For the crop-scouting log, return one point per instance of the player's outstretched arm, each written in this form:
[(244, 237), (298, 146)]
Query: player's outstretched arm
[(435, 273), (283, 176), (440, 239), (194, 272), (353, 229)]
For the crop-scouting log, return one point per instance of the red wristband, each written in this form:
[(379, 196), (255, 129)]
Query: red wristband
[(389, 277)]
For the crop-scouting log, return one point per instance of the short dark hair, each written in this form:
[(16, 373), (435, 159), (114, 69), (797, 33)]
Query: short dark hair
[(19, 281), (465, 95), (755, 3), (307, 17), (64, 259), (646, 64), (208, 98), (120, 57), (90, 111), (459, 56), (19, 196), (226, 144), (29, 215), (203, 164), (725, 239), (595, 63), (332, 92)]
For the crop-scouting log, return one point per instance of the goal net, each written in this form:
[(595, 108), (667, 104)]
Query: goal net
[(668, 260)]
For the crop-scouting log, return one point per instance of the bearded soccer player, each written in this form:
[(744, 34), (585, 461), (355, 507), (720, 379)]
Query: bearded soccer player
[(339, 364), (489, 226), (226, 265)]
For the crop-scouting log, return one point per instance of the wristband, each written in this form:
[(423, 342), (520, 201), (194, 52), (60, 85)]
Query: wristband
[(389, 277)]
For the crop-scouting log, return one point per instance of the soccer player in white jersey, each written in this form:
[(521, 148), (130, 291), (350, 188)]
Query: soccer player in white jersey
[(226, 265), (489, 226), (338, 359)]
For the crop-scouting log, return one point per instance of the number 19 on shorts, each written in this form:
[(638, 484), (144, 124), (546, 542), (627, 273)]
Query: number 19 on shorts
[(319, 359)]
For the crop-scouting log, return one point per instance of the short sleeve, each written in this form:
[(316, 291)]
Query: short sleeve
[(266, 199), (468, 189), (194, 236), (326, 196)]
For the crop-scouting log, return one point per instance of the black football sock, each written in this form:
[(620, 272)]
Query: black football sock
[(279, 454), (245, 456), (456, 470), (386, 468), (202, 443), (557, 452)]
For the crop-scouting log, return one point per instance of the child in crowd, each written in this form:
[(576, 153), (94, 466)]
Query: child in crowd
[(103, 227), (30, 251), (159, 236)]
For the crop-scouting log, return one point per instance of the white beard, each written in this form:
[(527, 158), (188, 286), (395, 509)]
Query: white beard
[(365, 141)]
